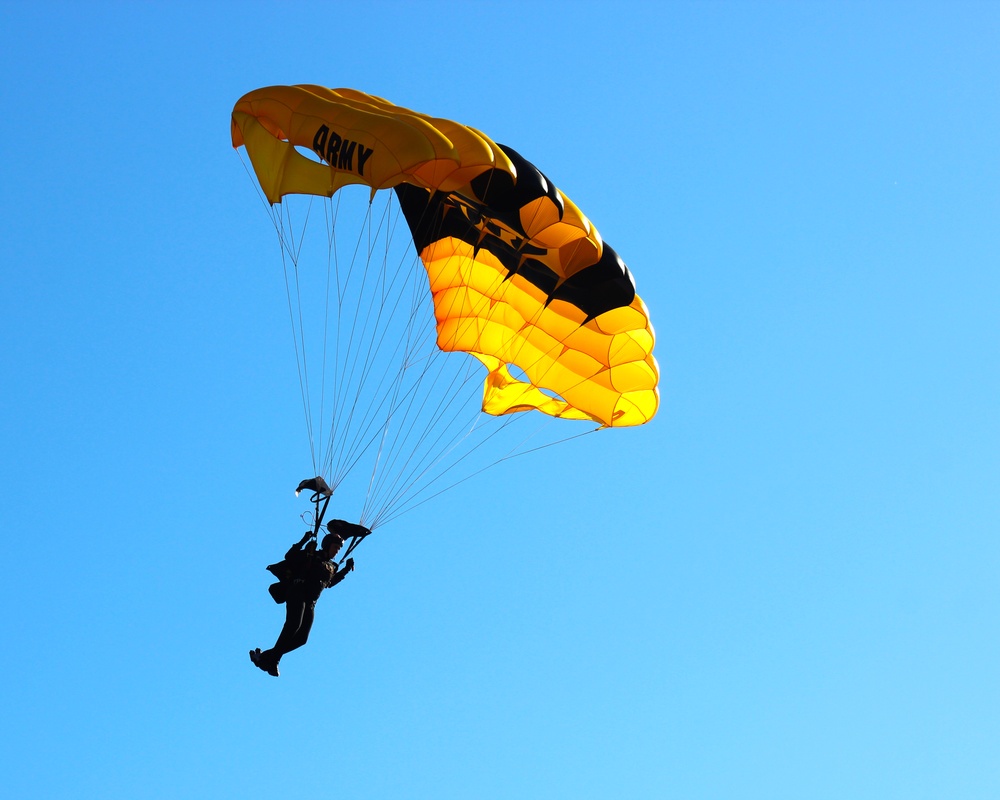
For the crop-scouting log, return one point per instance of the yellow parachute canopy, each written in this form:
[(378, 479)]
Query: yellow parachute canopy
[(520, 278)]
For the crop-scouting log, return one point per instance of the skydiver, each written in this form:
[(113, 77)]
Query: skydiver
[(302, 576)]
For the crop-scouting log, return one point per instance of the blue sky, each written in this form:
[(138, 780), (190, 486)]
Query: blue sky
[(783, 587)]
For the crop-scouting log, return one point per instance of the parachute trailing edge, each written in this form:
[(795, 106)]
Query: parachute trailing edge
[(520, 278)]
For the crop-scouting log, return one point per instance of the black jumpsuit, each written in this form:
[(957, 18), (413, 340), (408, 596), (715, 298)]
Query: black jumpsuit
[(304, 575)]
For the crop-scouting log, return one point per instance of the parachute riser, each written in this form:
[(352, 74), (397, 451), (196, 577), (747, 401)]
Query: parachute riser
[(355, 541), (320, 511)]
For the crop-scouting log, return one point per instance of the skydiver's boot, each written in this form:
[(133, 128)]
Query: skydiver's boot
[(268, 662), (264, 661)]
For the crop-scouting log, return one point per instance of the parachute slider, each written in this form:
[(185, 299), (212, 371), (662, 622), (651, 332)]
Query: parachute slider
[(316, 485)]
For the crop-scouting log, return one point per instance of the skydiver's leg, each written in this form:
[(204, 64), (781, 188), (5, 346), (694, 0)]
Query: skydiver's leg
[(296, 611), (299, 615), (301, 635)]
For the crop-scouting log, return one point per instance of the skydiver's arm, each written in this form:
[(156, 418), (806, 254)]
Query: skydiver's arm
[(342, 572), (295, 548)]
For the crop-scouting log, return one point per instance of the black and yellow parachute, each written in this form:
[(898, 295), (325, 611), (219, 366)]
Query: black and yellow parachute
[(520, 278)]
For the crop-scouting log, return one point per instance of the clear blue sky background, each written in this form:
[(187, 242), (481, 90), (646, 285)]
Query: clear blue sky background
[(784, 587)]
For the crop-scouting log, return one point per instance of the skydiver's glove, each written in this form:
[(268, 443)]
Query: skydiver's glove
[(349, 564)]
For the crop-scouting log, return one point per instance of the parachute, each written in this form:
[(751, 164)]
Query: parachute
[(517, 275)]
